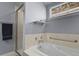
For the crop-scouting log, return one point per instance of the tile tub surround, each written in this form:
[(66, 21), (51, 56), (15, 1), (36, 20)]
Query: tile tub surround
[(68, 37), (33, 39)]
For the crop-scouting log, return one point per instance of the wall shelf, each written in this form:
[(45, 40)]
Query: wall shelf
[(41, 22), (63, 13), (68, 12)]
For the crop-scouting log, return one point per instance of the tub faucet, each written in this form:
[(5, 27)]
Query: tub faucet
[(40, 41)]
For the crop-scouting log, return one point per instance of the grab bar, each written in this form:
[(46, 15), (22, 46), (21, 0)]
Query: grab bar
[(75, 41)]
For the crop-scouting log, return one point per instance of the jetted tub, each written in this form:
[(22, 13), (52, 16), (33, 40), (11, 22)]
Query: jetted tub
[(47, 49)]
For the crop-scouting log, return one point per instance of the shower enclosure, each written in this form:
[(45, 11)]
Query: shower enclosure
[(19, 29)]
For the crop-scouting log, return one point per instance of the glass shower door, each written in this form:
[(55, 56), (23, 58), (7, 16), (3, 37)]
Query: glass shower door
[(19, 30)]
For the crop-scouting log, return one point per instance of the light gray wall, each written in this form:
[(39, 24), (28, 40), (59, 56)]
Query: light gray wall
[(34, 11), (33, 28), (68, 24), (7, 15)]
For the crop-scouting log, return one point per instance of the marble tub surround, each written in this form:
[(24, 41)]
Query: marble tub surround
[(63, 37), (69, 40), (31, 40)]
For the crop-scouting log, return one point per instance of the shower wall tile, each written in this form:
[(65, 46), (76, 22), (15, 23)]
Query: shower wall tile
[(33, 39), (67, 37)]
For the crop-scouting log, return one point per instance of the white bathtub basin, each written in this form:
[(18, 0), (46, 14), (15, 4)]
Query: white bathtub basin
[(47, 49)]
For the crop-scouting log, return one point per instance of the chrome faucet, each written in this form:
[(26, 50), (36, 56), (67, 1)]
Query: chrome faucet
[(41, 40)]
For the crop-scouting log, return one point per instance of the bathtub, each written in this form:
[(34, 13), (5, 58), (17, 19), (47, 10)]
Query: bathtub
[(47, 49)]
